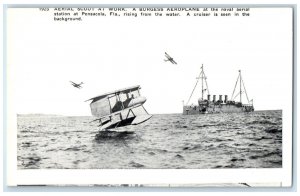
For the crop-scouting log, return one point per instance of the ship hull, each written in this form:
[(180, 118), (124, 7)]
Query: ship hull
[(216, 108)]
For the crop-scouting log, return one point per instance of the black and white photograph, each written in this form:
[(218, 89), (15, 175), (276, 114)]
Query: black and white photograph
[(150, 92)]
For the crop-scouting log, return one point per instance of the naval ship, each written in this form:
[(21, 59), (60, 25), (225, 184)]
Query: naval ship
[(208, 105)]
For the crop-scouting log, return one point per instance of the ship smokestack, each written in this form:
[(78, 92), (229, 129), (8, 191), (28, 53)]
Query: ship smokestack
[(208, 97), (214, 98), (226, 98), (220, 98)]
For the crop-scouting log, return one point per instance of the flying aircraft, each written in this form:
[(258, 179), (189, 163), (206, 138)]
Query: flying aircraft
[(119, 108), (169, 58), (76, 85)]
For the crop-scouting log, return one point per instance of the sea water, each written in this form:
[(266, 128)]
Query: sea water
[(166, 141)]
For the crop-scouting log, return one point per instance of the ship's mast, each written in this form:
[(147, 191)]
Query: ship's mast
[(240, 86), (203, 78)]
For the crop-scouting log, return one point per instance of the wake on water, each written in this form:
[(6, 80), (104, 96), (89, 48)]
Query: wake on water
[(112, 135)]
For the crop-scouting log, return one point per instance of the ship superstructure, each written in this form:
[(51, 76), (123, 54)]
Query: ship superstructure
[(207, 104)]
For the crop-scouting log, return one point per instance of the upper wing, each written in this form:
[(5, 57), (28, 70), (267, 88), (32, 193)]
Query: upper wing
[(113, 93), (115, 101), (168, 56)]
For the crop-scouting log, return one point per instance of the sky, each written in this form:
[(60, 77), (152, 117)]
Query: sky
[(110, 53)]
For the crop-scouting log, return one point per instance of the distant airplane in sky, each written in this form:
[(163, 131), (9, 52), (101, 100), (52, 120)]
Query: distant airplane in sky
[(169, 58), (76, 85)]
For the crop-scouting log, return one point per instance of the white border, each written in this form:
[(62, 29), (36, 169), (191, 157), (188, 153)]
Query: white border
[(54, 177)]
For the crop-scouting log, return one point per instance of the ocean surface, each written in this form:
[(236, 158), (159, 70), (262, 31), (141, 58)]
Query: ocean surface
[(166, 141)]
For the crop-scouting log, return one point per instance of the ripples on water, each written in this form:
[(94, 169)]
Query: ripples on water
[(168, 141)]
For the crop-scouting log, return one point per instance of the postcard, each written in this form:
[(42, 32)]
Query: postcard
[(149, 96)]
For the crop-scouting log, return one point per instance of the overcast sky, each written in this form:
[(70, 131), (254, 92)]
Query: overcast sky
[(109, 53)]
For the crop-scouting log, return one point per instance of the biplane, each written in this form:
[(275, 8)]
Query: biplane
[(169, 58), (77, 85), (119, 108)]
